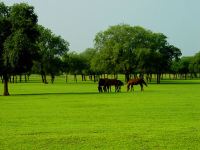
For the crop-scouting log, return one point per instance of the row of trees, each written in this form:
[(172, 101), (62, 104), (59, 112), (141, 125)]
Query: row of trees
[(124, 49), (26, 47), (186, 66), (129, 50)]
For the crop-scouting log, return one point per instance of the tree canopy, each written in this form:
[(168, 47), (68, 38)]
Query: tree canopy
[(131, 49)]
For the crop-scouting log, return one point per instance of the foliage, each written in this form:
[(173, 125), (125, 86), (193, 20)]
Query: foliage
[(131, 49), (196, 63), (51, 50), (5, 31), (19, 35)]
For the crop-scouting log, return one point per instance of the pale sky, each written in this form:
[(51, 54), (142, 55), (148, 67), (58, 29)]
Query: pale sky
[(78, 21)]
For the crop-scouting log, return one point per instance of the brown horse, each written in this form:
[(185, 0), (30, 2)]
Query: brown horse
[(136, 81)]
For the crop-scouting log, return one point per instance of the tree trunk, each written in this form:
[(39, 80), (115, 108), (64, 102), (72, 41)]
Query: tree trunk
[(13, 79), (25, 78), (90, 77), (20, 78), (45, 79), (127, 77), (52, 78), (150, 77), (5, 79), (94, 78), (66, 77), (42, 78), (75, 78), (28, 76), (83, 77), (158, 78), (16, 79)]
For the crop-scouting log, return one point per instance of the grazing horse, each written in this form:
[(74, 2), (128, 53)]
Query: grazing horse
[(119, 84), (102, 85), (105, 85), (136, 81)]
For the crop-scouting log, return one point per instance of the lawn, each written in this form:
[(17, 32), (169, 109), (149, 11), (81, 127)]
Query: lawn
[(75, 116)]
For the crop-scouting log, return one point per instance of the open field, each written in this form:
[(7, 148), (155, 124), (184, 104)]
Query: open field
[(76, 116)]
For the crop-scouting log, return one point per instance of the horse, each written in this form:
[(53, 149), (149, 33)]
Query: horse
[(119, 84), (105, 85), (102, 85), (136, 81)]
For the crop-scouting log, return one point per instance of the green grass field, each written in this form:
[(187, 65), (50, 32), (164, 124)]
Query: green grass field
[(75, 116)]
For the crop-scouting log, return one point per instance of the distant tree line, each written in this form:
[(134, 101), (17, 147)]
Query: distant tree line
[(186, 67), (123, 49), (27, 47)]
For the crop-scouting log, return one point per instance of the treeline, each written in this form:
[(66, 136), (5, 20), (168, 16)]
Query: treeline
[(27, 47)]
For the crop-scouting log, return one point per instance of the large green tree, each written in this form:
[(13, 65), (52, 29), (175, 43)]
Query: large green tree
[(116, 48), (5, 31), (131, 49), (18, 47)]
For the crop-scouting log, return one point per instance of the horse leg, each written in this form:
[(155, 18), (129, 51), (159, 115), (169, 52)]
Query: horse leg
[(100, 89), (119, 88), (128, 87), (108, 88), (132, 88), (104, 88), (141, 85)]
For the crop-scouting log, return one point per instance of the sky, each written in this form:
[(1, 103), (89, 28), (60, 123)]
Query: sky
[(78, 21)]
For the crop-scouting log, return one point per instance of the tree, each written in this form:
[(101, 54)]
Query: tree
[(51, 50), (184, 65), (87, 56), (131, 49), (174, 69), (156, 56), (5, 31), (76, 64), (19, 47), (196, 62), (116, 47)]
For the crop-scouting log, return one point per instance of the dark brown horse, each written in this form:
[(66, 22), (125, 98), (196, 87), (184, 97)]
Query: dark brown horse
[(136, 81), (105, 85)]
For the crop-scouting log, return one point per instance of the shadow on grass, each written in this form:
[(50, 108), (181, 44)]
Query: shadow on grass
[(67, 93)]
